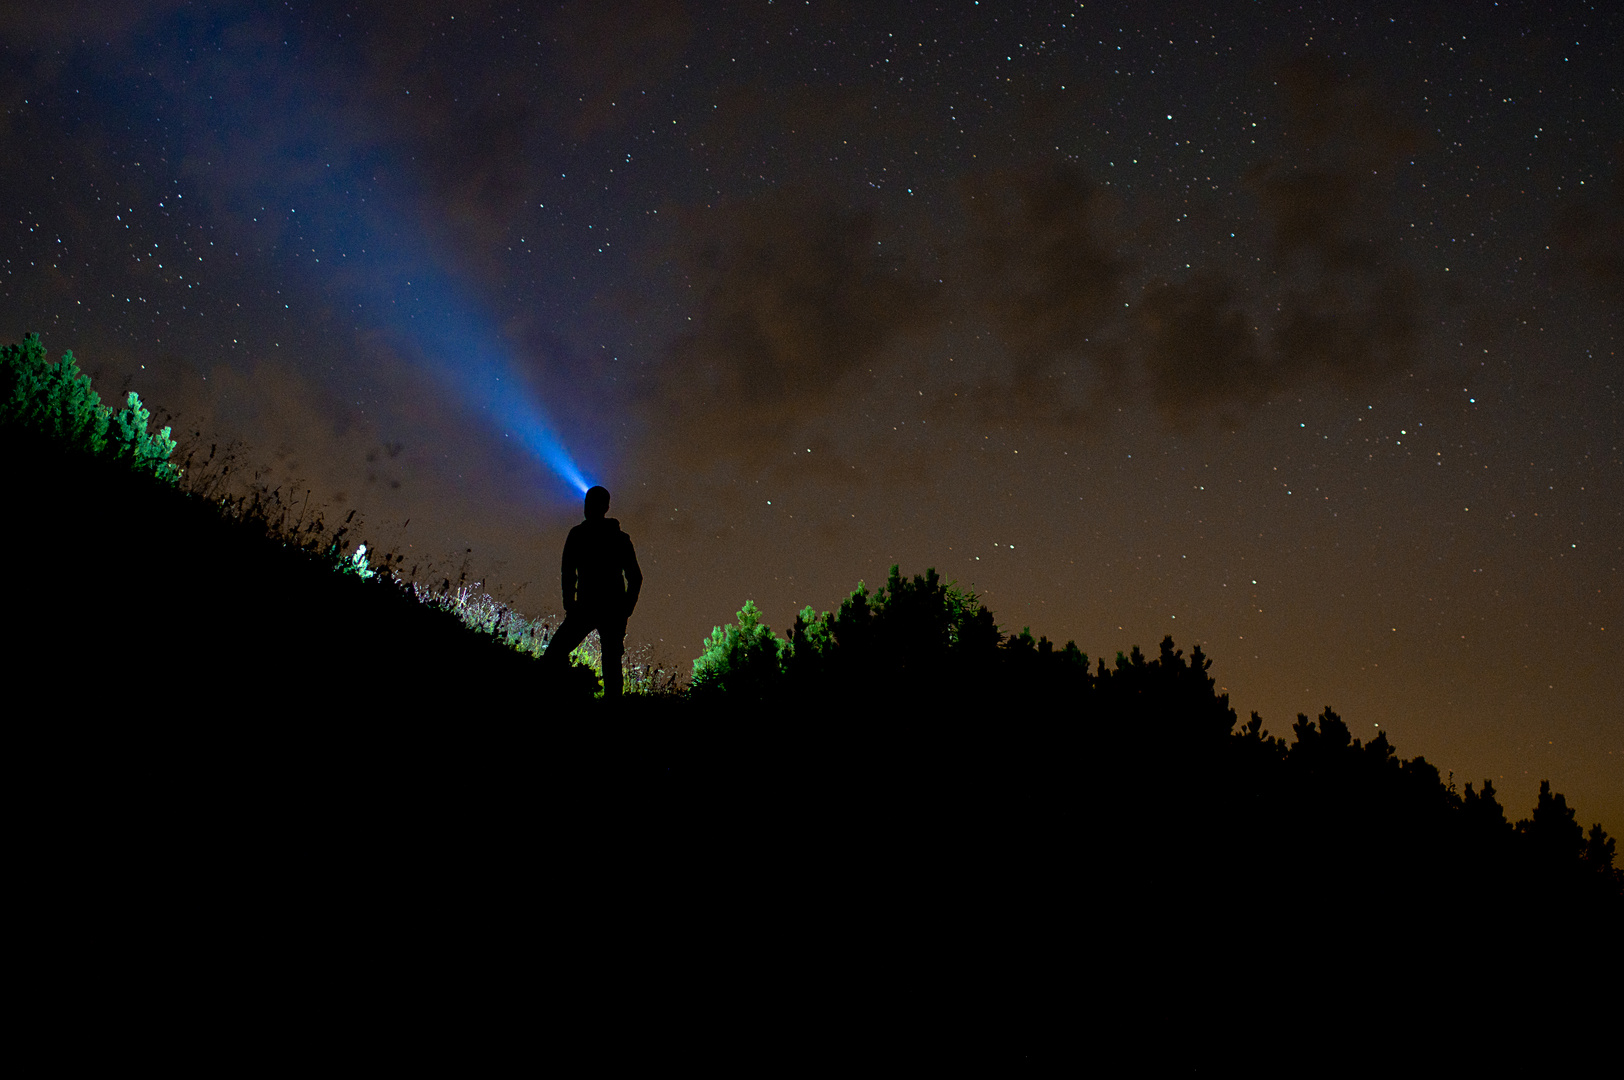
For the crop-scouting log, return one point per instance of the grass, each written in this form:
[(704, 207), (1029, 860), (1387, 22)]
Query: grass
[(482, 613), (292, 523), (123, 582)]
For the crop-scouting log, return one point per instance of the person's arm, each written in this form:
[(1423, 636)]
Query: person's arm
[(569, 573), (634, 577)]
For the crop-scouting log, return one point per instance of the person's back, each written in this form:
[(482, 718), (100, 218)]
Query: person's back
[(601, 581), (596, 557)]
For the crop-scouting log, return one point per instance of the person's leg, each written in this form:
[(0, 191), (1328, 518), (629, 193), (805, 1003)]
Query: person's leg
[(612, 638), (577, 625)]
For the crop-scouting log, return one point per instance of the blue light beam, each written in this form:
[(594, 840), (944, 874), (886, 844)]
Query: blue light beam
[(333, 207)]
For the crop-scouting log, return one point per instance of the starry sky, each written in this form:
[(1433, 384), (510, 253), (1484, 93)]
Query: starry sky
[(1286, 329)]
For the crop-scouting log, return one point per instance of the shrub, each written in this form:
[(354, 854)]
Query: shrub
[(912, 636), (56, 400), (743, 661), (129, 440)]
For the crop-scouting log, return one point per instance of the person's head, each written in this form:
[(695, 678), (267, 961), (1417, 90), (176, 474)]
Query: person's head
[(597, 502)]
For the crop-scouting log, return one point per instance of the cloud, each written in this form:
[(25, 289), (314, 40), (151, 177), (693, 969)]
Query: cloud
[(1334, 299), (1352, 309), (1318, 190), (793, 295), (1200, 347), (1042, 262)]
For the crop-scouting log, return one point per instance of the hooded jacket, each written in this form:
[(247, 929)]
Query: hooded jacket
[(600, 569)]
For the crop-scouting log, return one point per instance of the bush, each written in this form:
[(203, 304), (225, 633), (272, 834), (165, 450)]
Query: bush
[(743, 661), (56, 400), (911, 637), (129, 440)]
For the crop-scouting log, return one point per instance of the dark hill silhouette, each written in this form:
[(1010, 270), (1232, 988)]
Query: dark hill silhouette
[(1121, 829), (241, 771), (126, 585)]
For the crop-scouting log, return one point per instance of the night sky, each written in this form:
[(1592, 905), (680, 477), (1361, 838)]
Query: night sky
[(1286, 330)]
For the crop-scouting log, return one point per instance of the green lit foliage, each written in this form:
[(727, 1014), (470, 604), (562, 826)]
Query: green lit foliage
[(909, 633), (55, 400), (811, 642), (916, 673), (918, 637), (356, 564), (743, 660), (485, 615), (129, 440), (639, 672)]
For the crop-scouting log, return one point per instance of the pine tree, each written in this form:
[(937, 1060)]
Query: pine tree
[(128, 439), (743, 661), (55, 400), (52, 399)]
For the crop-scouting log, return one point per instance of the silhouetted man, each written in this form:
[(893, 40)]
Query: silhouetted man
[(601, 583)]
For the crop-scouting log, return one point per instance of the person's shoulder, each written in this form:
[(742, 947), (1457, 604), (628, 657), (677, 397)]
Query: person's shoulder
[(599, 531)]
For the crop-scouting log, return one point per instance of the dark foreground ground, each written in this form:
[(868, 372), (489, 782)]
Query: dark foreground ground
[(252, 824), (471, 893)]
